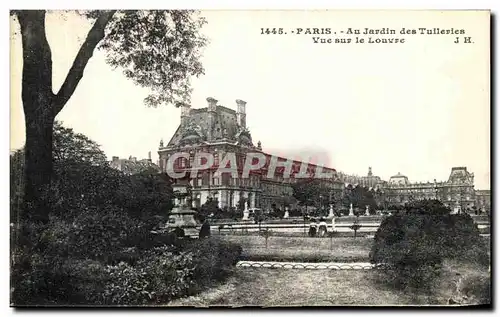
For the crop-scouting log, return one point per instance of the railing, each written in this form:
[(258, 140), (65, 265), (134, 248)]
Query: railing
[(367, 227), (310, 266)]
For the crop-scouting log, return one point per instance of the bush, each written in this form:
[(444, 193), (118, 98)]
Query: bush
[(154, 276), (162, 275), (414, 244)]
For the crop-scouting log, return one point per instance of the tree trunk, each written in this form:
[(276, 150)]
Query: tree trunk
[(39, 114), (41, 105), (38, 167)]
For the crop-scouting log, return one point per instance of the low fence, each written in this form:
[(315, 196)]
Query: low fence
[(310, 266), (479, 219), (303, 228)]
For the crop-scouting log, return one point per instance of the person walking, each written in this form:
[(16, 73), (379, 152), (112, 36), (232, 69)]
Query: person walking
[(205, 229), (312, 227)]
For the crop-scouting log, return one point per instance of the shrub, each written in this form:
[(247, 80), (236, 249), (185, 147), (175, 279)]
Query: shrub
[(214, 258), (154, 276), (414, 244), (155, 279), (162, 275)]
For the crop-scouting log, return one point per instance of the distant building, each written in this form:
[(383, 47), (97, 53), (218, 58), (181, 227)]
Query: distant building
[(399, 190), (457, 193), (371, 180), (483, 200), (132, 165)]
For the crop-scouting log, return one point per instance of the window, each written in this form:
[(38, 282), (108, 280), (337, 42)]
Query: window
[(216, 181), (199, 182)]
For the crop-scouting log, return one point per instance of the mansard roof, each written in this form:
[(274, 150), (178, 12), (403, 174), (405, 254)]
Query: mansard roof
[(225, 126)]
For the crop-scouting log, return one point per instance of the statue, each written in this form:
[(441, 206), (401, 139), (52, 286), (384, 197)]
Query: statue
[(351, 211), (287, 214), (161, 143), (245, 214), (367, 211), (330, 214)]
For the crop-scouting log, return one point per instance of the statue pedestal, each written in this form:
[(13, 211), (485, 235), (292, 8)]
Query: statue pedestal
[(367, 211), (245, 214)]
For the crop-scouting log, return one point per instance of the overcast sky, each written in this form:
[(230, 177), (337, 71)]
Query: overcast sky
[(418, 108)]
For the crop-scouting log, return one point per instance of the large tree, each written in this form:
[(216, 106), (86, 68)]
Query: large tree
[(155, 49), (71, 151), (311, 193)]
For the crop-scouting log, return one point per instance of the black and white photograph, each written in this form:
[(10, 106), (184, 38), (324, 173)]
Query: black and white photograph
[(250, 158)]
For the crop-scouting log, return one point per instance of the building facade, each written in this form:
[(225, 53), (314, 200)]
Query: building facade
[(456, 193), (132, 165), (223, 132), (483, 201)]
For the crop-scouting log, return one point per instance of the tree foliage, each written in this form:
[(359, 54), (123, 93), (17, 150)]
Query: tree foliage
[(359, 197), (311, 192), (157, 49), (209, 208), (70, 146)]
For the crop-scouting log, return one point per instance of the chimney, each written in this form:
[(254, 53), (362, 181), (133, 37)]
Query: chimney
[(212, 104), (185, 110), (149, 157), (241, 116), (115, 158), (212, 107)]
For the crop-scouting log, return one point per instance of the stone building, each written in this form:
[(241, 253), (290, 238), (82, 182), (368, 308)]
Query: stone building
[(483, 200), (399, 191), (457, 192), (132, 165), (370, 180), (220, 131)]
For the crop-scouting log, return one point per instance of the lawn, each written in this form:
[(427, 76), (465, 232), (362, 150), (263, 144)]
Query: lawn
[(285, 287), (302, 249), (290, 287)]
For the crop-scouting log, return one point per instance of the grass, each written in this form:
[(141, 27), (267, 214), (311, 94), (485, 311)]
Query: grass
[(284, 287), (473, 286), (302, 249), (295, 287)]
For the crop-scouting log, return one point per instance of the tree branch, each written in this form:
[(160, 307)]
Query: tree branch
[(75, 74)]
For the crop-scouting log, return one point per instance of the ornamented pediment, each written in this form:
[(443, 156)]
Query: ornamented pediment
[(192, 133), (243, 136)]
